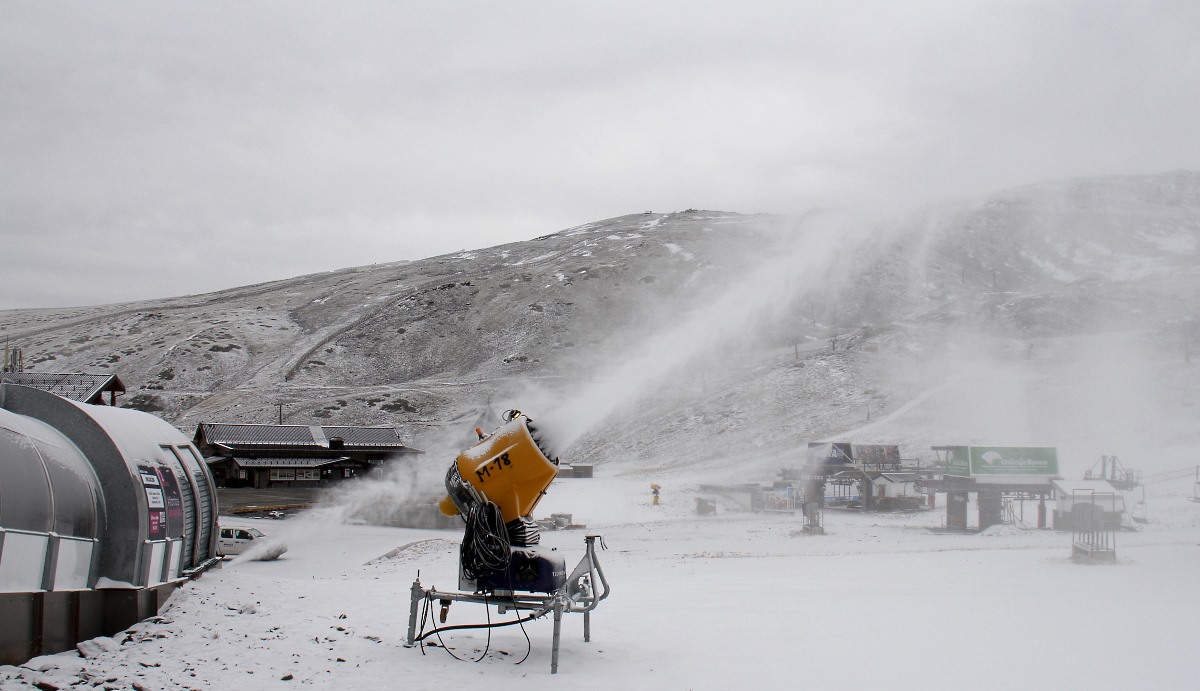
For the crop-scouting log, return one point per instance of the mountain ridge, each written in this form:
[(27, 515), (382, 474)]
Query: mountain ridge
[(425, 344)]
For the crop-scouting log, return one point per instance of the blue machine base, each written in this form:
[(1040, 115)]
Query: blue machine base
[(531, 569)]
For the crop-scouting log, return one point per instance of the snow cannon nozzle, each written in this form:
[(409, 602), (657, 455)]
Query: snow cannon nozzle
[(509, 467)]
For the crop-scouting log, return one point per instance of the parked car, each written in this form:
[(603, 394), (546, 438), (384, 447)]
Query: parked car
[(237, 539)]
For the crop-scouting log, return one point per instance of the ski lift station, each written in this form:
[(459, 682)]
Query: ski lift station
[(1069, 493), (995, 479), (103, 512), (871, 477)]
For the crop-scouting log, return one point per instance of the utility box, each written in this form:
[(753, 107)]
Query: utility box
[(991, 508), (956, 510), (531, 569)]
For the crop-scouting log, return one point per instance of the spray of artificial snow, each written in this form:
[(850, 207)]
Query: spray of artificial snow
[(813, 254)]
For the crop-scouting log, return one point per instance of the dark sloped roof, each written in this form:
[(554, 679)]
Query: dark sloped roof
[(233, 436), (84, 388), (279, 462), (364, 436), (877, 454), (220, 434)]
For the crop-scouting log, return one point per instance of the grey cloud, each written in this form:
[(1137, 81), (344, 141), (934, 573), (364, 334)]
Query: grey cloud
[(408, 129)]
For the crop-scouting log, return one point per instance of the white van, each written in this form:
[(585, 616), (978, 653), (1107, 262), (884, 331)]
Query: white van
[(237, 539)]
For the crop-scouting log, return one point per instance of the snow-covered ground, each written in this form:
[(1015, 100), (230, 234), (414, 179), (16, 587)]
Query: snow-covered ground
[(735, 600)]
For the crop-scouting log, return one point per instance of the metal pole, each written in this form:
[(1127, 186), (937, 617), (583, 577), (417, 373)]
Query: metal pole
[(415, 597), (558, 610)]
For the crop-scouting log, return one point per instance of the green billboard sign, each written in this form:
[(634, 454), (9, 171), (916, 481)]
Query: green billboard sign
[(1013, 460), (958, 461)]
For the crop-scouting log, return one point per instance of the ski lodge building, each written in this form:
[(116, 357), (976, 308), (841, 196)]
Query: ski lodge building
[(261, 456)]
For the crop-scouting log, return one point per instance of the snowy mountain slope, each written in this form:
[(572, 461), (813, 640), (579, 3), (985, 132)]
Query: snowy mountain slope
[(704, 339)]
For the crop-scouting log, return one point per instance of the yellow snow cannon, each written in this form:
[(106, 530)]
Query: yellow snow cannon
[(494, 486), (509, 468)]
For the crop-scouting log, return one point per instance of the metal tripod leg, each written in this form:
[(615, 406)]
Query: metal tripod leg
[(417, 594), (558, 611)]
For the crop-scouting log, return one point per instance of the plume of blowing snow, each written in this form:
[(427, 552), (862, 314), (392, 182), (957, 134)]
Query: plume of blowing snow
[(402, 495), (810, 257)]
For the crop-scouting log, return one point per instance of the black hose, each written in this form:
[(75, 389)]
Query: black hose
[(485, 549), (496, 625)]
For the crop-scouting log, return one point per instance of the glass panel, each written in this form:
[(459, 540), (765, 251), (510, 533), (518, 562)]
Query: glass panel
[(173, 559), (74, 564), (75, 492), (24, 491), (22, 562), (158, 554)]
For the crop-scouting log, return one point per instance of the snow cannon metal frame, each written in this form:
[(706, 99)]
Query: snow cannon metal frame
[(495, 486)]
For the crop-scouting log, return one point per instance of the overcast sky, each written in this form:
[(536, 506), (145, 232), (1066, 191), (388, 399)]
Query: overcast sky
[(155, 149)]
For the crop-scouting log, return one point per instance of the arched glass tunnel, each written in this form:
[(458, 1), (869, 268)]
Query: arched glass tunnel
[(102, 512)]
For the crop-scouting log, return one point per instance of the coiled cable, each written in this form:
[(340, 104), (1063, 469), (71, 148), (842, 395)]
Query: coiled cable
[(485, 549)]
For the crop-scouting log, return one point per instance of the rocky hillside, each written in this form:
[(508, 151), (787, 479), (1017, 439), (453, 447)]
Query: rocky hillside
[(670, 339)]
